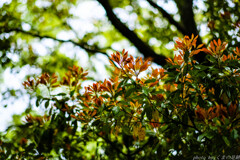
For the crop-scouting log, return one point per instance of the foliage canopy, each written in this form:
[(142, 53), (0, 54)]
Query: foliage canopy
[(176, 112), (189, 106)]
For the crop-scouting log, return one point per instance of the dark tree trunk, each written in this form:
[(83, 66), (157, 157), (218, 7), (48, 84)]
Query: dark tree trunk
[(146, 50)]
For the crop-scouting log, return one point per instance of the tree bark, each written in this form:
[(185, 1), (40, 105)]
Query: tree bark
[(168, 17), (187, 19), (131, 36)]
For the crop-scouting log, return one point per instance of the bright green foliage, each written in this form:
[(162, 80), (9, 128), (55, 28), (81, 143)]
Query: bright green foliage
[(178, 112), (227, 13), (188, 107)]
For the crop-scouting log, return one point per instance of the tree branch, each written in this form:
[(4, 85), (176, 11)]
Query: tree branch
[(168, 17), (185, 9), (187, 18), (79, 44), (150, 140), (112, 144), (131, 36)]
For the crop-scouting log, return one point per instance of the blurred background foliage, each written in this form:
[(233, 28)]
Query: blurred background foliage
[(38, 36), (34, 31)]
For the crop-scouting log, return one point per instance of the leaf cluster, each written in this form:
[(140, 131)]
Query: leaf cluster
[(186, 109)]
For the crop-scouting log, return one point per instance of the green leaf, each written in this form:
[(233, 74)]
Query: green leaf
[(115, 110), (38, 101), (129, 92), (150, 80), (47, 104), (163, 128), (105, 95), (234, 134), (127, 109), (72, 93), (120, 114), (122, 83), (145, 90), (211, 59), (148, 110), (201, 67), (177, 77), (206, 134), (126, 130), (226, 141), (150, 133), (61, 94)]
